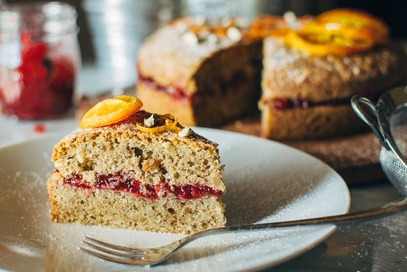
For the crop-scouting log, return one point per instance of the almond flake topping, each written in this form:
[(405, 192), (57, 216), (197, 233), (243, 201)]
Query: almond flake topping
[(184, 132), (190, 38), (149, 122), (202, 30), (234, 34)]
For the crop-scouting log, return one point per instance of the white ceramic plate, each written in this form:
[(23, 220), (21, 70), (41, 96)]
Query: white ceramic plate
[(266, 181)]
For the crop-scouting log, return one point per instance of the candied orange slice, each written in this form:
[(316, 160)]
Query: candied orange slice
[(333, 30), (323, 45), (267, 25), (111, 111), (358, 19), (339, 32)]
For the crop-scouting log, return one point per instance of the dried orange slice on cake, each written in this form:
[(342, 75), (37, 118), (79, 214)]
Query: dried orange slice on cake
[(339, 32), (358, 19), (322, 39), (111, 111)]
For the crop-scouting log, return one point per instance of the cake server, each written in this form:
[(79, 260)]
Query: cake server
[(388, 120)]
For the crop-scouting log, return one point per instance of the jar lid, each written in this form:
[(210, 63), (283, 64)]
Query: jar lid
[(38, 19)]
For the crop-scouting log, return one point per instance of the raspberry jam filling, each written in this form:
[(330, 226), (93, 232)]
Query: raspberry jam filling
[(278, 104), (176, 92), (286, 103), (120, 182)]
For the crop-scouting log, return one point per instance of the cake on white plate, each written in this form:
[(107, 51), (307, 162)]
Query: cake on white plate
[(128, 168)]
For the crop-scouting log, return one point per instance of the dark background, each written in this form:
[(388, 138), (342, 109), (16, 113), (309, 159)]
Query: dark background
[(392, 12)]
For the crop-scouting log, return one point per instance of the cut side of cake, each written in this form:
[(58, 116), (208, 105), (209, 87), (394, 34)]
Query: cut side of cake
[(205, 74), (296, 74), (146, 172)]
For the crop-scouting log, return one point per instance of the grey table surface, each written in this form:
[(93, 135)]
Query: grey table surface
[(377, 245)]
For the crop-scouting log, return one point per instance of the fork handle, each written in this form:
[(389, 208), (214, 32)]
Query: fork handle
[(360, 216), (365, 215)]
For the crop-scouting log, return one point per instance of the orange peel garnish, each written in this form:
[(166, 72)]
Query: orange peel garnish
[(171, 123), (111, 111), (267, 25), (347, 47), (339, 32), (358, 19), (321, 40)]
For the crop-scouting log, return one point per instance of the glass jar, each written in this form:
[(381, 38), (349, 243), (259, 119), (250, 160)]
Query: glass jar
[(39, 59)]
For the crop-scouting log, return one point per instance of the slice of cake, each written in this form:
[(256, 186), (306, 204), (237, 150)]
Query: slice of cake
[(128, 168)]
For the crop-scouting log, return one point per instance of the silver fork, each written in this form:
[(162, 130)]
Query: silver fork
[(152, 256)]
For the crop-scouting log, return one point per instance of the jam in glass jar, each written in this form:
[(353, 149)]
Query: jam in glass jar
[(39, 59)]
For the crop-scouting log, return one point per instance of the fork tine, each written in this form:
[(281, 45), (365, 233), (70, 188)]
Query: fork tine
[(113, 251), (122, 260), (111, 248)]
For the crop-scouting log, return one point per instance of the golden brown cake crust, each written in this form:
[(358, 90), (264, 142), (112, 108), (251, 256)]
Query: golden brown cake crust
[(311, 123), (290, 73)]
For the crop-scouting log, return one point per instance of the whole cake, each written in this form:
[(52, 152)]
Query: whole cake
[(299, 72), (128, 168)]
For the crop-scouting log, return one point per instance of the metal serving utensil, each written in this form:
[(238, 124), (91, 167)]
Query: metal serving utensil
[(388, 120)]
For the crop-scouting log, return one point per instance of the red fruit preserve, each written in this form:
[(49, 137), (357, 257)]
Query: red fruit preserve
[(39, 60)]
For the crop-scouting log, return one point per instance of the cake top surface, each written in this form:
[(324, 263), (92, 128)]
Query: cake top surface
[(151, 148), (176, 51), (143, 122), (292, 73), (123, 113)]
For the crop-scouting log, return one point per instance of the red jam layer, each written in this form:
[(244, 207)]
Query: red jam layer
[(176, 92), (286, 103), (120, 182), (278, 104)]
